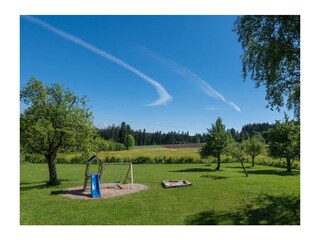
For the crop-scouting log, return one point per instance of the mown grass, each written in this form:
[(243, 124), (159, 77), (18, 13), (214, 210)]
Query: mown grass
[(268, 196)]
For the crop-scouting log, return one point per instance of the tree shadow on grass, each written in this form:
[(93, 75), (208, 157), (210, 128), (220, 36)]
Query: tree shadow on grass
[(273, 172), (26, 186), (238, 166), (75, 192), (281, 172), (203, 218), (195, 170), (213, 177), (264, 210)]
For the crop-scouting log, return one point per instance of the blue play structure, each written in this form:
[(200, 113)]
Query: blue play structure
[(95, 185), (95, 178)]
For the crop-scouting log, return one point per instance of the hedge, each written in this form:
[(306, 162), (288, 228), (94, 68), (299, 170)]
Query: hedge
[(37, 158)]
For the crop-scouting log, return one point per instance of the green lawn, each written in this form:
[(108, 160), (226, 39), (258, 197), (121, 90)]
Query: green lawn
[(268, 196)]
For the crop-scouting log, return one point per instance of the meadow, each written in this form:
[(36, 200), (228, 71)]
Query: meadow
[(269, 195), (157, 154)]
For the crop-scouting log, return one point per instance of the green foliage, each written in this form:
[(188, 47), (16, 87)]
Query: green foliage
[(35, 158), (101, 144), (55, 119), (129, 141), (141, 137), (271, 55), (119, 147), (156, 160), (285, 141), (254, 146), (235, 150), (111, 146), (275, 162), (216, 141)]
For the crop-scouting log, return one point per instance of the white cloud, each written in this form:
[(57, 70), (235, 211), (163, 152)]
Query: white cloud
[(186, 73), (164, 96)]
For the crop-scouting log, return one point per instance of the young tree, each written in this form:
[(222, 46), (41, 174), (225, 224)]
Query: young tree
[(285, 141), (216, 141), (129, 141), (236, 150), (254, 146), (271, 54), (55, 119)]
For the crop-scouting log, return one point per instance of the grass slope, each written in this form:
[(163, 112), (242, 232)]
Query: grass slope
[(268, 196)]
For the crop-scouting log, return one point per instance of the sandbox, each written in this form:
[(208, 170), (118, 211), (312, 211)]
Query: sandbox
[(175, 183), (108, 190)]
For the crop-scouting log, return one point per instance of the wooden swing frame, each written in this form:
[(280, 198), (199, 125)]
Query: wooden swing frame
[(129, 174)]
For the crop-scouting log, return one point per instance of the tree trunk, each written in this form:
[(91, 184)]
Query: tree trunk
[(218, 163), (53, 177), (244, 169), (252, 157), (288, 165)]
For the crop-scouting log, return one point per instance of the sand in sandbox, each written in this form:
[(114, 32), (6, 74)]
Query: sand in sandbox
[(108, 190)]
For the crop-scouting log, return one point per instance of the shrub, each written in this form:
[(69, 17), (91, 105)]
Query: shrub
[(35, 158), (156, 160), (119, 147), (77, 159), (111, 146), (111, 159), (142, 159), (102, 145), (61, 159)]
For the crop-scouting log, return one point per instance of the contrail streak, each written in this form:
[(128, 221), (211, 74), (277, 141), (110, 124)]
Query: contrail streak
[(164, 96), (185, 72)]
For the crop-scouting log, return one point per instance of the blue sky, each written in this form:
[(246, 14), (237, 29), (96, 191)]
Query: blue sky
[(155, 72)]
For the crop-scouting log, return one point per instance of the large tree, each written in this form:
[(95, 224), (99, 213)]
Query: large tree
[(54, 119), (271, 56), (285, 141), (216, 141)]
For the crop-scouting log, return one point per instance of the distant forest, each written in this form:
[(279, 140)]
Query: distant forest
[(142, 137)]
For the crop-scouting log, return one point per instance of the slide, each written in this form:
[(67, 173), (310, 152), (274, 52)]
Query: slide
[(95, 185)]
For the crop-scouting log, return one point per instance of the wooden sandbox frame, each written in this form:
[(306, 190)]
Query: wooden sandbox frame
[(175, 183)]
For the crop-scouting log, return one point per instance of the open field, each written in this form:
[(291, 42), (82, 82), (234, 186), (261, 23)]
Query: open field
[(268, 196), (163, 154), (186, 145), (153, 152)]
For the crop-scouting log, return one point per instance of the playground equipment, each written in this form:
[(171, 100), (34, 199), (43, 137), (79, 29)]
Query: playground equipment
[(95, 178), (95, 185), (87, 175), (129, 174)]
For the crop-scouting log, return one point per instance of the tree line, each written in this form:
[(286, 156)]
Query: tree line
[(142, 137), (118, 134)]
